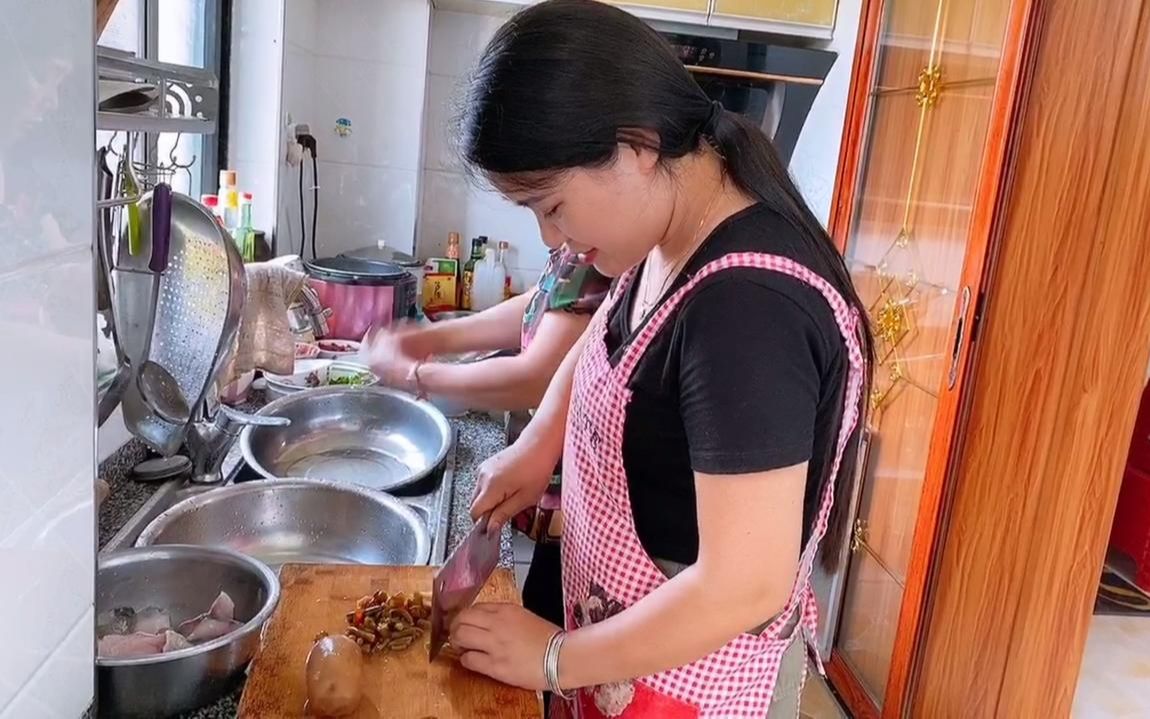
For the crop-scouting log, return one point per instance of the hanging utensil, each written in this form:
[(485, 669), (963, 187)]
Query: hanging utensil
[(106, 184), (131, 188), (461, 578), (158, 387)]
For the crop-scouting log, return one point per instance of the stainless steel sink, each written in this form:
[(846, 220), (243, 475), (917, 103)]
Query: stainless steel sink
[(433, 507)]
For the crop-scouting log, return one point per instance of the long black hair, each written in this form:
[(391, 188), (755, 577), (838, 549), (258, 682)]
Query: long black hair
[(563, 82)]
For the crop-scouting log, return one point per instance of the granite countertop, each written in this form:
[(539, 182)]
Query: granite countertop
[(478, 436)]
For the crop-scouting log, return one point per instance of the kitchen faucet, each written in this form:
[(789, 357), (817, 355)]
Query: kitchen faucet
[(214, 432)]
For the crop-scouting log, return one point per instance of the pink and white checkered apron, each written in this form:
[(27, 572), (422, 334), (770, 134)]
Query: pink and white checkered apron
[(606, 569)]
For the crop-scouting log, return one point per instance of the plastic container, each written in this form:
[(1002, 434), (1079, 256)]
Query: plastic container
[(1130, 533), (488, 283)]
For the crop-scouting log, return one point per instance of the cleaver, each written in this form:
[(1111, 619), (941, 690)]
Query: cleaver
[(459, 581)]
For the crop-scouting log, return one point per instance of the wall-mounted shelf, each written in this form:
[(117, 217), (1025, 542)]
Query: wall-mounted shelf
[(188, 96), (126, 122)]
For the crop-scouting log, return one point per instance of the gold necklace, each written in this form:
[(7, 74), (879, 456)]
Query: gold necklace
[(646, 303)]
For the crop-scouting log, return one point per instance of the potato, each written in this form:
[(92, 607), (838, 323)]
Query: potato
[(334, 677)]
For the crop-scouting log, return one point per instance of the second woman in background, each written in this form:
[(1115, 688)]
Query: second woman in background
[(541, 325)]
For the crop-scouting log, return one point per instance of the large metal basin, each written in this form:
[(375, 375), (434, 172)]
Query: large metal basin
[(373, 437), (297, 520), (184, 581)]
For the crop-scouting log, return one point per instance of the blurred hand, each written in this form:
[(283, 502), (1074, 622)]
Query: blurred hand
[(511, 481), (393, 354)]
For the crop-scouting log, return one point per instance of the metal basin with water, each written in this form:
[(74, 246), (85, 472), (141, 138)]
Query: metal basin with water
[(297, 520), (372, 437)]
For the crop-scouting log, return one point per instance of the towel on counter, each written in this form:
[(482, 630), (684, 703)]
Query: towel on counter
[(265, 340)]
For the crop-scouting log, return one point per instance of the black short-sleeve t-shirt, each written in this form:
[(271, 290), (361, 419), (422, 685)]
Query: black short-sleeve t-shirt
[(747, 376)]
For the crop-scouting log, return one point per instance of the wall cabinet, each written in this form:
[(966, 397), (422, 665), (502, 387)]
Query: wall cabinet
[(805, 18), (815, 14), (699, 6)]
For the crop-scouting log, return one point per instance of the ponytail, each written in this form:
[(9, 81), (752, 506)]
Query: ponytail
[(564, 81)]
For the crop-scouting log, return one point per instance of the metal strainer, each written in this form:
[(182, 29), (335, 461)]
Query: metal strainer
[(198, 312)]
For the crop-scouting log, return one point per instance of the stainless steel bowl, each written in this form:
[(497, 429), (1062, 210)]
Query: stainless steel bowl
[(373, 437), (297, 520), (184, 581)]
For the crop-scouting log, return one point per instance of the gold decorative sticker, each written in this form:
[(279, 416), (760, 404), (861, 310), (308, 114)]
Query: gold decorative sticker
[(929, 86)]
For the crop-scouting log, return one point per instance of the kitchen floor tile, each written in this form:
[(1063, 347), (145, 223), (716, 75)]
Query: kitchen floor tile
[(818, 701), (1115, 676), (523, 548)]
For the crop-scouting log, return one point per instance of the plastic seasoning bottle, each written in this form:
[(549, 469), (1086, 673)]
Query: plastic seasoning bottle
[(229, 199), (212, 202)]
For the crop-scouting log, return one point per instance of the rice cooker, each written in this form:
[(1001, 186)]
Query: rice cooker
[(380, 252), (361, 293)]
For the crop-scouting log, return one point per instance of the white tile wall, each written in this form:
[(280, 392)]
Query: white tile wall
[(47, 426), (365, 61), (452, 202), (257, 62)]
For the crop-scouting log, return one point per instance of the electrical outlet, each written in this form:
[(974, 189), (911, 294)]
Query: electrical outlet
[(302, 129), (294, 153)]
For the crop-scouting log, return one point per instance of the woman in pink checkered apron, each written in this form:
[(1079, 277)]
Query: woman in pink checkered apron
[(709, 416)]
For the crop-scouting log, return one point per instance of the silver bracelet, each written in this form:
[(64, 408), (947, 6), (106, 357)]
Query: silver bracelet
[(551, 665)]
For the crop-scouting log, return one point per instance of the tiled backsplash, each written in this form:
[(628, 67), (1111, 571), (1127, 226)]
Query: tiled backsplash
[(453, 202), (47, 423), (365, 61)]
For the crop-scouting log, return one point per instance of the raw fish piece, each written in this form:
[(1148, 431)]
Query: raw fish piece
[(217, 622), (174, 641), (223, 608), (126, 646), (153, 620), (208, 629)]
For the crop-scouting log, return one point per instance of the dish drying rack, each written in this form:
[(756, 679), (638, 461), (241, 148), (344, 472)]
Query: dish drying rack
[(188, 96)]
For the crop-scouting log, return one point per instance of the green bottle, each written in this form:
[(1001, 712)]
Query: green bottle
[(244, 235), (477, 246)]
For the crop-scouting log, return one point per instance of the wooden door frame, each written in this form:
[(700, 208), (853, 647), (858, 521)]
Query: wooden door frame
[(992, 185)]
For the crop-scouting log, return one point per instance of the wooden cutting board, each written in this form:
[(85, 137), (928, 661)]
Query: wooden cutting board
[(403, 685)]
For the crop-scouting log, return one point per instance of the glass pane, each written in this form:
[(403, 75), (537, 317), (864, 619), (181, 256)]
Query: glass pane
[(925, 140), (970, 40), (182, 29), (904, 46), (867, 638), (123, 29)]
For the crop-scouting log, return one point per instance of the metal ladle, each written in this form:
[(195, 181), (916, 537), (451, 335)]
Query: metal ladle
[(162, 393)]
